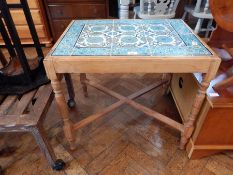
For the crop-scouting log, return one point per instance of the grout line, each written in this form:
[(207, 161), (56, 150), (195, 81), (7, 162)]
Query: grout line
[(113, 26), (150, 50)]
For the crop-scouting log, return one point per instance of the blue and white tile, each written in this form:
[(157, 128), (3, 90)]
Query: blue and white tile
[(95, 36), (68, 41), (91, 51), (130, 37), (130, 51), (96, 22), (179, 51), (179, 26), (191, 40)]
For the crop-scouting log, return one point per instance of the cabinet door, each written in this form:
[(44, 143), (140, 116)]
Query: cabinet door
[(60, 26), (184, 89)]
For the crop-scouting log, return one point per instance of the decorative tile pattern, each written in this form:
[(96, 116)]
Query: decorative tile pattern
[(169, 37)]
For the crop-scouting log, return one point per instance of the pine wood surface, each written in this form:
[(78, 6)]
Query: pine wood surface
[(124, 142)]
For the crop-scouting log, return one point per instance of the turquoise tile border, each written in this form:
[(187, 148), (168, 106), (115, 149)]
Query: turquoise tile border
[(162, 37)]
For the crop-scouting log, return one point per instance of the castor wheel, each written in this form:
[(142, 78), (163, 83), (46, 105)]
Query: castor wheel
[(59, 165), (71, 103)]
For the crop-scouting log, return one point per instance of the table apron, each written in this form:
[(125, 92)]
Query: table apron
[(134, 66)]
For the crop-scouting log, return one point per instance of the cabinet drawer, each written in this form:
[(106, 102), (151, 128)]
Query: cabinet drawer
[(184, 88), (31, 3), (84, 1), (59, 27), (24, 31), (72, 11), (19, 17)]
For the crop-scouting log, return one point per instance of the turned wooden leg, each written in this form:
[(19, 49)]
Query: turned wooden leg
[(189, 124), (83, 78), (43, 144), (61, 103), (209, 26)]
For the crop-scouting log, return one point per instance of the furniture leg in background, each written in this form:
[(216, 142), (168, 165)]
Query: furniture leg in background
[(124, 9), (200, 10), (70, 89), (153, 9)]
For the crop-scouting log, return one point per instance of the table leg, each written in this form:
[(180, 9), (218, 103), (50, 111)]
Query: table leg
[(70, 88), (198, 101), (61, 103), (83, 78), (166, 86)]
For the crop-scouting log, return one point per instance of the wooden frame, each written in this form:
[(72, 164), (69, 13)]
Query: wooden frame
[(58, 65)]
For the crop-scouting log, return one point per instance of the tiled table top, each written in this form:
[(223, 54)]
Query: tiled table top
[(169, 37)]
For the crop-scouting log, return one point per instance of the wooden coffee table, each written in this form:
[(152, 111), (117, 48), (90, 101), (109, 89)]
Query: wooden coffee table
[(129, 46)]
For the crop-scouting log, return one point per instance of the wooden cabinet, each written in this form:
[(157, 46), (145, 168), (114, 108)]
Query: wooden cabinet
[(40, 21), (214, 131), (61, 12)]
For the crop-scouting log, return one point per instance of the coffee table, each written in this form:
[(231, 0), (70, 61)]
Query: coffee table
[(129, 46)]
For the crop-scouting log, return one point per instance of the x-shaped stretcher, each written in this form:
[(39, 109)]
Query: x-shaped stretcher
[(127, 100)]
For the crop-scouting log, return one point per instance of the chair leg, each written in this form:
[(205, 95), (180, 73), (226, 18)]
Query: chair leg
[(184, 15), (83, 78), (198, 26), (209, 25), (135, 14), (46, 148), (70, 88)]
